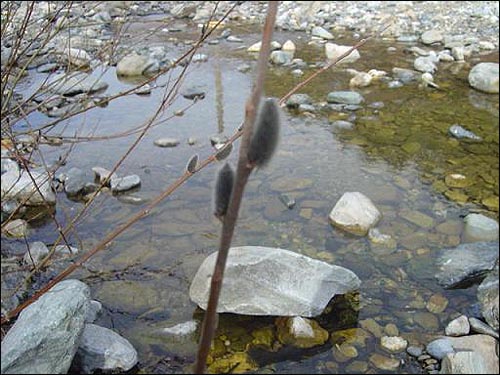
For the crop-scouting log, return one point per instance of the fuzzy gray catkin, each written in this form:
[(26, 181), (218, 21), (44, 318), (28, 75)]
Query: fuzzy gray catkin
[(266, 134), (223, 190), (192, 164)]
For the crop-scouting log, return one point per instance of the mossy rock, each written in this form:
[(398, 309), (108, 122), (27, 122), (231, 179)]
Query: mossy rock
[(456, 196), (456, 180), (491, 203), (300, 332), (234, 363), (354, 336), (264, 337), (411, 147)]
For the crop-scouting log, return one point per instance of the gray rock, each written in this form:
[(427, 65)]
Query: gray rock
[(480, 228), (321, 33), (297, 99), (120, 184), (17, 228), (487, 294), (306, 108), (355, 213), (393, 344), (271, 281), (458, 327), (394, 84), (281, 57), (37, 251), (181, 329), (75, 181), (193, 92), (234, 39), (439, 348), (425, 64), (9, 165), (458, 53), (102, 349), (405, 75), (345, 97), (462, 266), (484, 77), (94, 310), (21, 188), (414, 351), (102, 174), (133, 65), (65, 250), (74, 83), (45, 337), (459, 132), (334, 51), (166, 142), (479, 326), (431, 37), (343, 125), (77, 57), (473, 354)]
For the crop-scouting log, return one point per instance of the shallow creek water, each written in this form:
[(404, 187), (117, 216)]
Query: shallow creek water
[(397, 155)]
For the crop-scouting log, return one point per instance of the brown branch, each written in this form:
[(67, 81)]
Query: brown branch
[(242, 174)]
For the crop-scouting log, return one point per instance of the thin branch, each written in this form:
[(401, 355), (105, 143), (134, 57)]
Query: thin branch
[(242, 174)]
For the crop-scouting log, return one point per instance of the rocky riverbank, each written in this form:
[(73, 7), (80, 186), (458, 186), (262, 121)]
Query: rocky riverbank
[(98, 37)]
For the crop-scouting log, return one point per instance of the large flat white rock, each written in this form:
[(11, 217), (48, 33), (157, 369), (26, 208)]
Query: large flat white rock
[(271, 281)]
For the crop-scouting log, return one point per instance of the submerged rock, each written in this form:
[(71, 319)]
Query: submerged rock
[(459, 132), (272, 281), (300, 332)]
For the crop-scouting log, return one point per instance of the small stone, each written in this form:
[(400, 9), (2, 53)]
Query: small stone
[(439, 348), (437, 303), (480, 228), (457, 180), (120, 184), (17, 228), (414, 351), (166, 142), (458, 327), (391, 329), (384, 363), (393, 344), (37, 251)]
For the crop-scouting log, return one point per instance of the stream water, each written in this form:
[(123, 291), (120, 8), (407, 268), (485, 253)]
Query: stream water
[(398, 155)]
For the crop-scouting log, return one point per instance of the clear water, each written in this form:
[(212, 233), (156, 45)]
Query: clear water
[(143, 277)]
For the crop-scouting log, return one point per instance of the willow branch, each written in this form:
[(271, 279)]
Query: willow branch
[(242, 174)]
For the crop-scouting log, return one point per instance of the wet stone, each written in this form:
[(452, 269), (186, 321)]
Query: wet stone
[(414, 351), (458, 327), (384, 363), (437, 303), (166, 142)]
